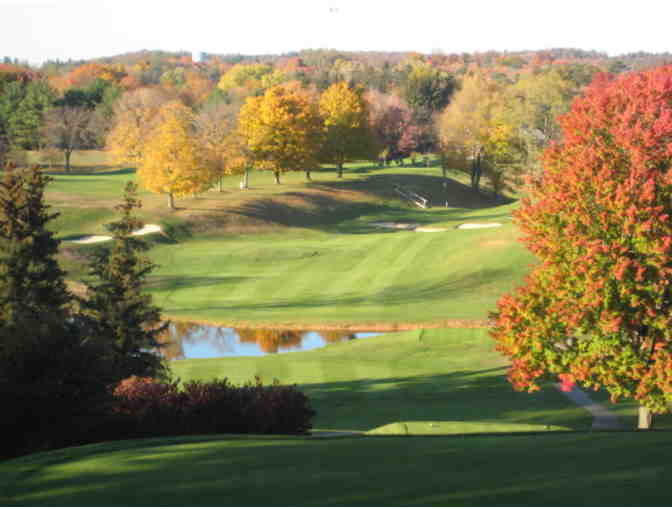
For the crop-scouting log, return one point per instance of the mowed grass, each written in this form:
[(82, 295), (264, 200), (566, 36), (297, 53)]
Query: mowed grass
[(311, 277), (434, 381), (575, 469), (305, 253)]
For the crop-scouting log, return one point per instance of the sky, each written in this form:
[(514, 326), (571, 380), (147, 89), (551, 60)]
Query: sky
[(39, 30)]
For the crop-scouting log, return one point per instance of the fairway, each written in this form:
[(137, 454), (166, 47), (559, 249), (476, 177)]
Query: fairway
[(312, 277), (303, 254)]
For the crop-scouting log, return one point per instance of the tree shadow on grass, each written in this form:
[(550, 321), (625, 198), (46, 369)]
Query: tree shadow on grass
[(550, 470), (334, 209), (162, 283), (429, 186), (482, 395)]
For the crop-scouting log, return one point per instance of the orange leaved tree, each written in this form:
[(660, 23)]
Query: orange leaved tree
[(598, 308)]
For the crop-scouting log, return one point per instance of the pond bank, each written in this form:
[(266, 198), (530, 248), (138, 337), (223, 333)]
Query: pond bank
[(331, 326)]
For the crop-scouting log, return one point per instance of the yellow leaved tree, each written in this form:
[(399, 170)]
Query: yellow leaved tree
[(281, 130), (348, 135), (173, 161), (135, 115)]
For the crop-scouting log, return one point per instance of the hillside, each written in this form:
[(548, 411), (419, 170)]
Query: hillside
[(307, 253)]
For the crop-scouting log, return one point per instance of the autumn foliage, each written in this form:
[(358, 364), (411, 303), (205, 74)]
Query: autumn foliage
[(174, 163), (348, 135), (597, 309), (152, 408), (282, 130)]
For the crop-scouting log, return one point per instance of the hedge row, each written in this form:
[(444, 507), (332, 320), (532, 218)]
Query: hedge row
[(216, 407), (38, 418)]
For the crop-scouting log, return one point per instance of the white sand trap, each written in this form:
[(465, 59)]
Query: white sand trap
[(430, 229), (466, 226), (92, 239), (147, 229), (407, 226)]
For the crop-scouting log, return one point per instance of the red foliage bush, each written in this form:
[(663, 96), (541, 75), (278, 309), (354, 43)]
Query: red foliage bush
[(214, 407)]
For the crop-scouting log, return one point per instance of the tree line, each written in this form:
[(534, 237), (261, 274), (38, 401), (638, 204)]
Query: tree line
[(406, 104)]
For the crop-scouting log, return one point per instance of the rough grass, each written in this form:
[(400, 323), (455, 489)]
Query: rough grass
[(584, 469)]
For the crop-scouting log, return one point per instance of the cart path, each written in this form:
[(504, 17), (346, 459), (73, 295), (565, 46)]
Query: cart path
[(603, 419)]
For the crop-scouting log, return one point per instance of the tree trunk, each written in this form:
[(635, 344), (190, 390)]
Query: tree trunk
[(220, 183), (171, 201), (308, 175), (247, 178), (67, 160), (476, 171), (645, 418), (340, 170), (277, 177)]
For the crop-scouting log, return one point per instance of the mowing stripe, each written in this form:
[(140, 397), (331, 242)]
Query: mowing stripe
[(380, 248), (406, 258)]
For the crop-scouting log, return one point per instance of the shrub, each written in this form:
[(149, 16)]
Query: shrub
[(215, 407)]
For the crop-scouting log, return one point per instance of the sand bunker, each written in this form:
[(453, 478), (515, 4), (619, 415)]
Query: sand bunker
[(414, 227), (147, 229), (92, 239), (430, 229), (466, 226)]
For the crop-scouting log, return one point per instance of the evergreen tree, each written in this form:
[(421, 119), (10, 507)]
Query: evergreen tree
[(117, 310), (32, 285), (50, 378), (25, 124)]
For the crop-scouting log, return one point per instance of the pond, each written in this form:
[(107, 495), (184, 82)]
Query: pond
[(189, 340)]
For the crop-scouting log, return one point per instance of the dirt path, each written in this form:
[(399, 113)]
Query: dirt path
[(147, 229), (603, 419)]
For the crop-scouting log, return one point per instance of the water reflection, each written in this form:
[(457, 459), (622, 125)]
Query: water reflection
[(189, 340)]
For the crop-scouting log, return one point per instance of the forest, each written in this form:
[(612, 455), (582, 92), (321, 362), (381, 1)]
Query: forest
[(490, 114)]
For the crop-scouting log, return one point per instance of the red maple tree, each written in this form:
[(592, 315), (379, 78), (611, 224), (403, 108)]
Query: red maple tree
[(597, 309)]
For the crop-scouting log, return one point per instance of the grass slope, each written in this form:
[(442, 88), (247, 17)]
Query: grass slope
[(305, 253), (598, 469), (427, 377), (314, 277)]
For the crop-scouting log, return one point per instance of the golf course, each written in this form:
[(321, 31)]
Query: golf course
[(421, 415)]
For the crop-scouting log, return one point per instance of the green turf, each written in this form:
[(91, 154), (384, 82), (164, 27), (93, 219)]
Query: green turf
[(306, 253), (585, 469), (450, 375), (317, 277)]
